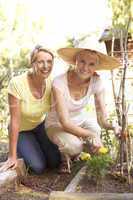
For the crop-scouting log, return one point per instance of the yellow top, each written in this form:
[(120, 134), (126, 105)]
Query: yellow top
[(33, 110)]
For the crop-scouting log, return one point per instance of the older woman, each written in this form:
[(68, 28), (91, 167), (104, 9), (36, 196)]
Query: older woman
[(68, 123), (29, 101)]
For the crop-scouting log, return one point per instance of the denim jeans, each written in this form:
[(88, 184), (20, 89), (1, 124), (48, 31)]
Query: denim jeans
[(37, 150)]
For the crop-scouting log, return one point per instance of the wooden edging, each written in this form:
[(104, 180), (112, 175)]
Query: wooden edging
[(73, 184), (10, 177), (90, 196)]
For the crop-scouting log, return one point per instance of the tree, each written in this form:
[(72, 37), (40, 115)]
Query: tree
[(121, 13), (122, 23), (19, 32)]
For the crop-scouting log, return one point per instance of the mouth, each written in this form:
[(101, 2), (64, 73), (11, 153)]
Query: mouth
[(82, 71), (45, 72), (85, 73)]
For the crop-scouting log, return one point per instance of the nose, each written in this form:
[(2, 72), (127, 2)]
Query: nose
[(87, 67), (45, 64)]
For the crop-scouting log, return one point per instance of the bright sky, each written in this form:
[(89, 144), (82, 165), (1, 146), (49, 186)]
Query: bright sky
[(65, 18), (70, 17)]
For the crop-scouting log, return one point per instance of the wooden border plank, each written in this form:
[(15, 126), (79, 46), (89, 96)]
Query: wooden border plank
[(12, 176), (74, 182), (56, 195)]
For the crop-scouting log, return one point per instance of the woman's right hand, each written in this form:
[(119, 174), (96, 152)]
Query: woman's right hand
[(11, 163)]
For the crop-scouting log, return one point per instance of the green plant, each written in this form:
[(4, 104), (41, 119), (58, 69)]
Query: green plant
[(97, 167), (107, 138), (130, 128)]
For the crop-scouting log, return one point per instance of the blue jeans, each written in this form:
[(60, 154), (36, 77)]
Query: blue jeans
[(37, 150)]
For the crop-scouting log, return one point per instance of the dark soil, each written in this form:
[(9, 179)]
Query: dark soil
[(50, 180), (110, 184), (34, 187)]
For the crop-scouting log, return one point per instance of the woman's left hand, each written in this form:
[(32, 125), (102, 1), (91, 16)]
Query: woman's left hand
[(117, 130)]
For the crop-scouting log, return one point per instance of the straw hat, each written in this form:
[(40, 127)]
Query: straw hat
[(105, 62)]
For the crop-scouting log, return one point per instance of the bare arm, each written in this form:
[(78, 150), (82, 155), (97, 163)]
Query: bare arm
[(64, 118), (101, 111), (14, 108)]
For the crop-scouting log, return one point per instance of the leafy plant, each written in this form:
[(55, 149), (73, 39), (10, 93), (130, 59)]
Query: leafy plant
[(97, 167)]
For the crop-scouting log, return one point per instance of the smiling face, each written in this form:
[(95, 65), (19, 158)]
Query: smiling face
[(86, 63), (43, 64)]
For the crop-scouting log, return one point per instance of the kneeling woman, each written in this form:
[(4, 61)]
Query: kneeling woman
[(29, 101), (68, 123)]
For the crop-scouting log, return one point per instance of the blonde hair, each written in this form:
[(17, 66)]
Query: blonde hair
[(36, 50)]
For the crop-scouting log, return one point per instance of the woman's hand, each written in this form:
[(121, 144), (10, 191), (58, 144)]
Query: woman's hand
[(11, 163), (117, 130)]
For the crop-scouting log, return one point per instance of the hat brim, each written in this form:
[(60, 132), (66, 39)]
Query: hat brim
[(105, 62)]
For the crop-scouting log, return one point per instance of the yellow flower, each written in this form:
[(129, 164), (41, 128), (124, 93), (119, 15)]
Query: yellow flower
[(85, 156), (103, 150)]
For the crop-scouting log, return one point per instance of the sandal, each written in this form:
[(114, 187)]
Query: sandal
[(65, 167)]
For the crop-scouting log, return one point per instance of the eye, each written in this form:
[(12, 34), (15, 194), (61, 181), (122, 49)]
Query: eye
[(82, 61), (41, 62), (50, 62), (92, 64)]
